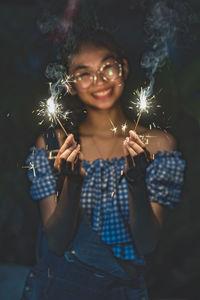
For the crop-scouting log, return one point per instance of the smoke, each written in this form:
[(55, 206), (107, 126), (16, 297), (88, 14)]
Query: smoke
[(56, 19), (166, 21), (55, 71)]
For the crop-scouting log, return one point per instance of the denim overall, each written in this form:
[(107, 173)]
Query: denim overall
[(87, 271)]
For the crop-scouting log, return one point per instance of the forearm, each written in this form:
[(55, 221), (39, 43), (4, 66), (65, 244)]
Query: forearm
[(61, 226), (145, 228)]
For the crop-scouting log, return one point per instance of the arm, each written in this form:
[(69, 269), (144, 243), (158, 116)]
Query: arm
[(60, 219), (146, 218)]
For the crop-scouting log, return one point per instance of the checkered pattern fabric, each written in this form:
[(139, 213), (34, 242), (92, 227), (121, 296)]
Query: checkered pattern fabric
[(164, 178), (41, 175), (109, 216)]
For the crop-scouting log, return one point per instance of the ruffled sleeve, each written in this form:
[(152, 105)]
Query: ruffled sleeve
[(164, 178), (43, 178)]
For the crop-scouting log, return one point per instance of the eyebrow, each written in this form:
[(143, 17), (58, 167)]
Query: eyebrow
[(79, 67)]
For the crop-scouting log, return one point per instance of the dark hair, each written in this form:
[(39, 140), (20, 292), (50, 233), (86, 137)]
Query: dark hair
[(70, 48), (97, 37)]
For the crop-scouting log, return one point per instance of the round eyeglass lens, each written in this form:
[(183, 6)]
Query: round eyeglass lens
[(84, 80), (111, 71)]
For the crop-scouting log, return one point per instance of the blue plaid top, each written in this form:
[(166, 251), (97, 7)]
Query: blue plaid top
[(109, 216)]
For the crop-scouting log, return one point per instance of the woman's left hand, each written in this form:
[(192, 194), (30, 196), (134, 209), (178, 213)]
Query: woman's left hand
[(133, 146)]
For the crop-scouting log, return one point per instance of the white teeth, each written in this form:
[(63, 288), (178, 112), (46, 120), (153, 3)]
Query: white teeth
[(103, 93)]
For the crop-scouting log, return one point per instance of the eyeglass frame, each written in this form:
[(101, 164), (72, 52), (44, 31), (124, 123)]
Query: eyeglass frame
[(99, 71)]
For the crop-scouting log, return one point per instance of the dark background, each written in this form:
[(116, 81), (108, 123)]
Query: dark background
[(174, 269)]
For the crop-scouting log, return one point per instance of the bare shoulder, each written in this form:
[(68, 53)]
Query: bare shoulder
[(40, 142), (161, 141)]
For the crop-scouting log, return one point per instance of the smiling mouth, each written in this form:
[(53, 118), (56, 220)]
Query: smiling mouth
[(103, 93)]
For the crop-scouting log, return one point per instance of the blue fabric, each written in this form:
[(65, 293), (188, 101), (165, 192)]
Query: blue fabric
[(67, 278), (42, 177), (164, 178), (109, 216)]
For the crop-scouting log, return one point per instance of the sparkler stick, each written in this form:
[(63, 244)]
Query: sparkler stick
[(114, 128), (61, 125), (143, 102), (138, 120)]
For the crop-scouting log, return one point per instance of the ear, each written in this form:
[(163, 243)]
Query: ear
[(125, 68)]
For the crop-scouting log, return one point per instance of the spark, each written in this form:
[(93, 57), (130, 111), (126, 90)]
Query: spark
[(52, 110), (114, 128), (124, 127), (52, 153), (66, 82), (143, 100), (145, 138), (30, 167)]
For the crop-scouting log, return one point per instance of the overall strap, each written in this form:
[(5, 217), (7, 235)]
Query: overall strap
[(51, 142), (52, 145), (50, 138)]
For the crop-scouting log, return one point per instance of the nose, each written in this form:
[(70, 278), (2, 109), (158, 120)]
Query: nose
[(98, 79)]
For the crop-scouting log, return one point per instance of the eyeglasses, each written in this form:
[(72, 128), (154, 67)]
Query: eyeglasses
[(109, 71)]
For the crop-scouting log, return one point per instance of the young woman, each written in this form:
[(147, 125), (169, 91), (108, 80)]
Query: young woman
[(96, 232)]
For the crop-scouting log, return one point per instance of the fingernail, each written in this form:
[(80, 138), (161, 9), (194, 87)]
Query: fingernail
[(127, 139)]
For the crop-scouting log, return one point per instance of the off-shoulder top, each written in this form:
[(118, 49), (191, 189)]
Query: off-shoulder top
[(108, 216)]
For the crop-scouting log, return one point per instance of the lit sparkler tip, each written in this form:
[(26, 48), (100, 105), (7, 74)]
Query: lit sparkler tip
[(51, 106)]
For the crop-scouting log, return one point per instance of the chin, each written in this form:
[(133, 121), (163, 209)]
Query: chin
[(105, 105)]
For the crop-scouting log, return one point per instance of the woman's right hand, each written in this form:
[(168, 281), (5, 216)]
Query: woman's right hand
[(68, 159)]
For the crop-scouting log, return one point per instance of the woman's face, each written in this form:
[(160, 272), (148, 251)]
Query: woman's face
[(101, 93)]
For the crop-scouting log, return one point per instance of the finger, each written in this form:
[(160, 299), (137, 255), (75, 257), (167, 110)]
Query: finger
[(67, 143), (67, 152), (81, 157), (148, 155), (138, 149), (125, 148), (64, 156), (135, 138), (131, 151), (73, 155)]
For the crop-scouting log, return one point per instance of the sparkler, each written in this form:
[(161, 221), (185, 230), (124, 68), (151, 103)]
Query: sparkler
[(53, 110), (50, 108), (143, 102)]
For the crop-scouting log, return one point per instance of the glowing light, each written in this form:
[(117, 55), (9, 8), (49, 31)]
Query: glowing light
[(124, 127), (30, 167), (51, 109), (143, 102), (114, 128), (66, 82)]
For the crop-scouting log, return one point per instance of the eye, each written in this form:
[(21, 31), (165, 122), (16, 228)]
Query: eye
[(82, 76), (108, 66), (110, 70)]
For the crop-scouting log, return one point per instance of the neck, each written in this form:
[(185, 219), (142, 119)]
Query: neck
[(100, 122)]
